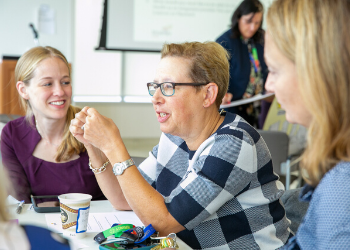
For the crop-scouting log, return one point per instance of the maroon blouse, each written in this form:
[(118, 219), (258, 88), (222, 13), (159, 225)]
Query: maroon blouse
[(31, 175)]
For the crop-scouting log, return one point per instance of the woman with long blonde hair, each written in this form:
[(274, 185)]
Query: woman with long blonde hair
[(307, 51), (38, 151)]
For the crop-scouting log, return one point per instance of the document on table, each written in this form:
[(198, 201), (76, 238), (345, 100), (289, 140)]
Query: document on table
[(97, 221)]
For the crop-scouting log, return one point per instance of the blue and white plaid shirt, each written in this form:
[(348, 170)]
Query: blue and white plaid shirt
[(326, 224), (225, 193)]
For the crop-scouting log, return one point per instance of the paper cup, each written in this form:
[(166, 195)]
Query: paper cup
[(74, 214)]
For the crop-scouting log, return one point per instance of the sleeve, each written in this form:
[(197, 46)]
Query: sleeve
[(329, 213), (218, 175), (20, 187)]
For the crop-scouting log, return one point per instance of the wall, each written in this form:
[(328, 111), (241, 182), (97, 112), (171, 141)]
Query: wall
[(77, 35), (104, 71), (134, 120), (17, 37)]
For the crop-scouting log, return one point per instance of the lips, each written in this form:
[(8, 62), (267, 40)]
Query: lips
[(162, 116)]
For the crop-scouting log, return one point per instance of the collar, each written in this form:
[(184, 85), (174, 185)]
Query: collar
[(306, 193)]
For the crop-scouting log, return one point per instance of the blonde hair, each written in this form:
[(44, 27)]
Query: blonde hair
[(24, 72), (313, 34), (4, 216), (209, 63)]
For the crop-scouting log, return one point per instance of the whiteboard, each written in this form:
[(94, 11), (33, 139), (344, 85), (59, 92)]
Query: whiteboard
[(148, 24), (116, 76)]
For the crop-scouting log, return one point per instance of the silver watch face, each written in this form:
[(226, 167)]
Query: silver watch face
[(118, 168)]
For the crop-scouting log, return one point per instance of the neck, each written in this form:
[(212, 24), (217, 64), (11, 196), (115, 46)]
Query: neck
[(50, 130), (206, 131)]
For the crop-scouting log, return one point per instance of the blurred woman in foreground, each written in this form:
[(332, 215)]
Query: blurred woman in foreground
[(307, 51)]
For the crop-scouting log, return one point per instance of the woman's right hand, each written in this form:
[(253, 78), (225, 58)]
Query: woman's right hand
[(78, 132), (76, 126), (99, 131), (227, 98)]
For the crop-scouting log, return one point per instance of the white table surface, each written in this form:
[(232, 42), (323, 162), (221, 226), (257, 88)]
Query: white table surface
[(38, 219)]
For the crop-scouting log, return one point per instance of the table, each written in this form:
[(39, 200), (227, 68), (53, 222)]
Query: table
[(38, 219)]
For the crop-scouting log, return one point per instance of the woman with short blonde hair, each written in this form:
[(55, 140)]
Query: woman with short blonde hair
[(210, 172), (307, 51)]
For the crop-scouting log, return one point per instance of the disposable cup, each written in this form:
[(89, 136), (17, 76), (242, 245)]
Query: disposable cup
[(74, 214)]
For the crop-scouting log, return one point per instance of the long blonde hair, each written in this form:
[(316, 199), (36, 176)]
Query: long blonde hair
[(3, 194), (24, 72), (314, 35)]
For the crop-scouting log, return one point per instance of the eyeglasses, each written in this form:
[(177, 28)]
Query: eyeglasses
[(168, 88)]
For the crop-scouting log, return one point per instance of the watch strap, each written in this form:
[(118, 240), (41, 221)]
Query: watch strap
[(128, 163)]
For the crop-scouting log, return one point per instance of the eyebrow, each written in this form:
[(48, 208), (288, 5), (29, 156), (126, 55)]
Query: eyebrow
[(49, 77)]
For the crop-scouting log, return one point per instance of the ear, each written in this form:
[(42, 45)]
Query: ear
[(210, 94), (22, 90)]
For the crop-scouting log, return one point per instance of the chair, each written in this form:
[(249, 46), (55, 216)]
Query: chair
[(276, 122), (138, 160), (278, 143), (295, 209)]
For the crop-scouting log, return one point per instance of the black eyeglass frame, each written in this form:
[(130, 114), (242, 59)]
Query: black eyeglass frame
[(174, 84)]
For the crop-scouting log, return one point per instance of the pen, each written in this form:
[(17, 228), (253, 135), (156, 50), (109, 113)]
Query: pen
[(19, 207)]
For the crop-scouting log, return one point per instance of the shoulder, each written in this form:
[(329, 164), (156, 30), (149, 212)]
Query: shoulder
[(243, 145), (335, 181), (17, 127), (331, 195), (227, 41), (236, 126), (330, 202), (225, 36)]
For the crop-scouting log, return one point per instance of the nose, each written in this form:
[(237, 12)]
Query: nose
[(157, 97), (269, 85), (252, 27), (58, 89)]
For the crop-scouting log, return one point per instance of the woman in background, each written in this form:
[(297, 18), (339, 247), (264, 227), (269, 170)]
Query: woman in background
[(38, 151), (248, 71), (307, 51)]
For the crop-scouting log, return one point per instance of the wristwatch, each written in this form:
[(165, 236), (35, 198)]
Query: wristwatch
[(119, 167)]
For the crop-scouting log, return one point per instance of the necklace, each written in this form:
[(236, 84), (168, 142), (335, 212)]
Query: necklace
[(37, 128)]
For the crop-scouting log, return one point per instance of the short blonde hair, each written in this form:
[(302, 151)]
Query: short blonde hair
[(24, 72), (209, 63), (313, 34)]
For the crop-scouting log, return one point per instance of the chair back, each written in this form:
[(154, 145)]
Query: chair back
[(278, 143), (138, 160)]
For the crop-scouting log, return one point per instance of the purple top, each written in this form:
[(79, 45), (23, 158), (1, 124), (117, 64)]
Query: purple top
[(31, 175)]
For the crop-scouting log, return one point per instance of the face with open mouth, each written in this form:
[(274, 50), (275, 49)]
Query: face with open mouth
[(49, 92), (177, 113)]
